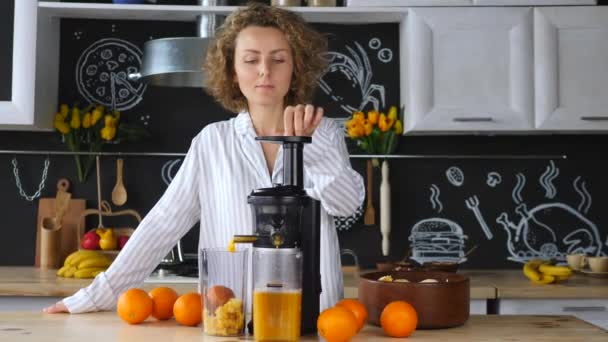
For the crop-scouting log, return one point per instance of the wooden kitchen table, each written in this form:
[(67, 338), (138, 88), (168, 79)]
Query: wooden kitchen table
[(106, 326)]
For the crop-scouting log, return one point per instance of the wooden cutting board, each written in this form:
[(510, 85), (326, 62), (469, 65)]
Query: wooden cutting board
[(69, 239)]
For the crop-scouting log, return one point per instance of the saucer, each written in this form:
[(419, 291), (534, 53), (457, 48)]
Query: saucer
[(590, 273)]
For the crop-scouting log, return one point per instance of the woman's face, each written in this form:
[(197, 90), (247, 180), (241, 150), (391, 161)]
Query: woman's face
[(263, 64)]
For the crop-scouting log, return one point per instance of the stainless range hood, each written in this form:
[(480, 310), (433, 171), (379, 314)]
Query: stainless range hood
[(178, 62)]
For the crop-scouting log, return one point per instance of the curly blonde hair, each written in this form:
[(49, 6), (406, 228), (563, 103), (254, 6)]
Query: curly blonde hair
[(307, 46)]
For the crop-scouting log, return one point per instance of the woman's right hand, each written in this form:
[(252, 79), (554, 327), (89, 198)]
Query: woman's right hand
[(58, 307)]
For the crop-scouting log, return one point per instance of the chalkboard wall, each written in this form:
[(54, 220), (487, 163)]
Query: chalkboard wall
[(513, 209)]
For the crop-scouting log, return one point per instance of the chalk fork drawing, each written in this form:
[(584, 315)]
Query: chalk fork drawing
[(546, 180), (435, 202), (531, 238), (168, 170), (493, 179), (355, 70), (516, 194), (437, 239), (473, 204), (455, 176), (102, 74)]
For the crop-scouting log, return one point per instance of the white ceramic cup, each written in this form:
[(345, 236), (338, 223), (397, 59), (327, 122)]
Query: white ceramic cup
[(576, 261), (598, 264)]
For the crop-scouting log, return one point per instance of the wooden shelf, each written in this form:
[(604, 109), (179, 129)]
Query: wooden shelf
[(341, 15)]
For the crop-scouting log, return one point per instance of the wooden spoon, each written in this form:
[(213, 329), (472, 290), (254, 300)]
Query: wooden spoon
[(119, 194), (370, 212)]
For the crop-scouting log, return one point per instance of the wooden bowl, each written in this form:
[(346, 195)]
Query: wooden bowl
[(439, 305), (441, 266), (403, 265)]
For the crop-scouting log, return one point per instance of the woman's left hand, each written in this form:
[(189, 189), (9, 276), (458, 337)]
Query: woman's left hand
[(302, 120)]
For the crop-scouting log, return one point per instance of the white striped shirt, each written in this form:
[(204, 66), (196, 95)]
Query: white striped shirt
[(223, 165)]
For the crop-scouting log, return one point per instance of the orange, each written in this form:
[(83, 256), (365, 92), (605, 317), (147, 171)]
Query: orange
[(134, 306), (163, 298), (399, 319), (357, 309), (188, 309), (337, 324)]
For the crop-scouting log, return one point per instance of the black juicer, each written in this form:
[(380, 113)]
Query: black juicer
[(286, 218)]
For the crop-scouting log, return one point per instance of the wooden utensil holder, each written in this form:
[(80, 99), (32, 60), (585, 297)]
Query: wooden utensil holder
[(50, 243), (107, 211)]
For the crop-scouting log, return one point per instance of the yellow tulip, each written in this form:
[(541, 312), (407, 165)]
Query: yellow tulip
[(108, 133), (358, 117), (356, 131), (86, 120), (97, 114), (368, 127), (62, 127), (372, 117), (117, 115), (64, 110), (58, 118), (392, 113), (75, 121), (398, 127), (110, 121), (383, 123)]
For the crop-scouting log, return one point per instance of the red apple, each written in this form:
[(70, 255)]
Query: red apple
[(122, 240), (90, 240)]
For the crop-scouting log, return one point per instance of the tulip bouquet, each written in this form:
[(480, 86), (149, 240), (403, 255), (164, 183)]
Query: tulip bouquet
[(375, 133), (88, 132)]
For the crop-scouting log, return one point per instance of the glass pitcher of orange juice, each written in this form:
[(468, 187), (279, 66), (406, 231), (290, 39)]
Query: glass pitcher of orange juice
[(277, 294)]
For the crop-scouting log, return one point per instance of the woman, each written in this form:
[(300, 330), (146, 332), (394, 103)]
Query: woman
[(263, 63)]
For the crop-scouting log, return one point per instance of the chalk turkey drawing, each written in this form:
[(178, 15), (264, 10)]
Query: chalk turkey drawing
[(352, 72), (102, 70), (531, 237)]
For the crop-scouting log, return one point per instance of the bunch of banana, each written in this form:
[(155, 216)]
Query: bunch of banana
[(84, 264), (544, 272)]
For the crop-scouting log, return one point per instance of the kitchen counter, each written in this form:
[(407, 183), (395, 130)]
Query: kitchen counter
[(485, 284), (107, 326)]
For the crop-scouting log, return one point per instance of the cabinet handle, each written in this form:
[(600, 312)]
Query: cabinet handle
[(594, 118), (473, 119), (584, 308)]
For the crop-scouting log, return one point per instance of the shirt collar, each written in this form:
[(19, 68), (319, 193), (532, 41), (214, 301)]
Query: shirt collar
[(244, 125)]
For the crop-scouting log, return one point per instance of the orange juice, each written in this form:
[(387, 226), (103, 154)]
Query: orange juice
[(276, 315)]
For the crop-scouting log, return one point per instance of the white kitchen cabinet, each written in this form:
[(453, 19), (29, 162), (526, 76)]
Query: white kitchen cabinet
[(28, 108), (594, 311), (469, 69), (571, 68)]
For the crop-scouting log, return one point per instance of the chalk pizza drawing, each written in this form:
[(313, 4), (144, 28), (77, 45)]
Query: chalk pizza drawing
[(102, 74), (493, 179), (435, 202), (168, 170), (437, 239), (349, 76), (455, 176)]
